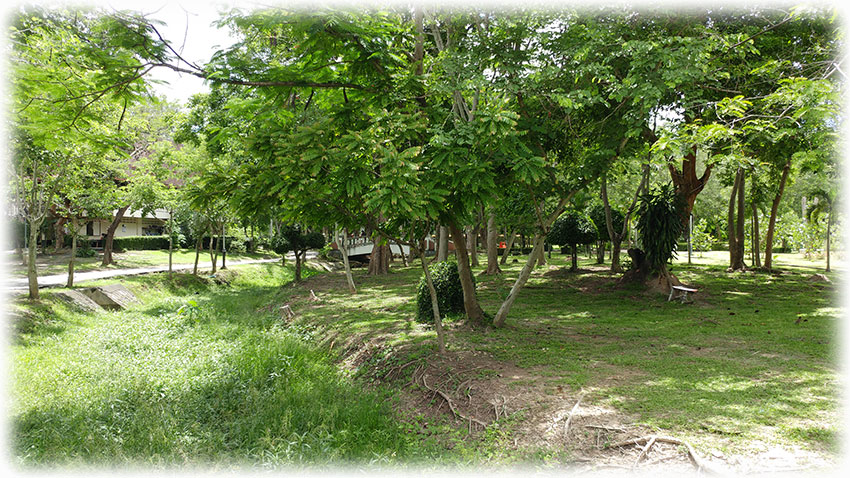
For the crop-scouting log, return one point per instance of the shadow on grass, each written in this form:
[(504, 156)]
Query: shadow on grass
[(32, 322)]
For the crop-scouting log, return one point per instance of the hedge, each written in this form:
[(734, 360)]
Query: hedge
[(140, 243)]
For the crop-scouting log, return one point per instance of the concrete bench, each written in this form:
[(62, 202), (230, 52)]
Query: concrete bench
[(681, 292)]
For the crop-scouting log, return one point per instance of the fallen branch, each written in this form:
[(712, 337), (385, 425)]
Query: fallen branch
[(452, 405)]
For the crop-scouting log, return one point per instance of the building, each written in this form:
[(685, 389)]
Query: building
[(133, 223)]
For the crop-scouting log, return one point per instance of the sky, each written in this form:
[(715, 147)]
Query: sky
[(188, 27)]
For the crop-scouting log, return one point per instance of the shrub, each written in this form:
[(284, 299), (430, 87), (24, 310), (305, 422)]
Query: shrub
[(140, 243), (84, 249), (597, 215), (236, 244), (446, 279)]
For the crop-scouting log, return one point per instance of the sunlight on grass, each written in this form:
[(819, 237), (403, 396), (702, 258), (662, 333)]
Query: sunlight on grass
[(752, 359)]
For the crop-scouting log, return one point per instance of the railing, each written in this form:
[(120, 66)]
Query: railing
[(359, 241)]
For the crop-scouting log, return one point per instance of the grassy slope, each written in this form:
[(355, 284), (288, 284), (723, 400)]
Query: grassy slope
[(220, 383)]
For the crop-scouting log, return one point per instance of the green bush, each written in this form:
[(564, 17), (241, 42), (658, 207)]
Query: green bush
[(84, 249), (236, 244), (446, 279), (140, 243)]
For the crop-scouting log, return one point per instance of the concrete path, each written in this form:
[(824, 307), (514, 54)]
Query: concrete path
[(19, 284)]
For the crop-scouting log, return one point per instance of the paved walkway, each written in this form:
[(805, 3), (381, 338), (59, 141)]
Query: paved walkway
[(18, 284)]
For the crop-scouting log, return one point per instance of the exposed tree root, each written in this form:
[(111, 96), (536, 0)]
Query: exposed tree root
[(651, 440), (452, 405), (570, 416)]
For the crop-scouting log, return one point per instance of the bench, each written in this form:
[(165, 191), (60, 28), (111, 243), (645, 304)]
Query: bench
[(680, 292)]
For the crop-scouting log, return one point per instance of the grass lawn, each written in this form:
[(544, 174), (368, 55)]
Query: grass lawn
[(49, 264), (208, 373), (754, 359), (198, 373)]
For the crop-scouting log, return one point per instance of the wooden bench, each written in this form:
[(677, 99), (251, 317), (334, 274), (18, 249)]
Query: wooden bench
[(681, 292)]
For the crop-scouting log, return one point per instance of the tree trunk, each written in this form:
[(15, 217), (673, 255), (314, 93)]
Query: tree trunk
[(730, 225), (574, 254), (470, 303), (616, 245), (735, 260), (223, 248), (170, 240), (509, 243), (401, 253), (59, 234), (297, 266), (198, 242), (435, 307), (492, 245), (771, 225), (379, 260), (252, 244), (828, 233), (541, 256), (213, 254), (443, 244), (524, 274), (71, 262), (686, 182), (741, 239), (472, 244), (600, 252), (756, 243), (32, 271), (110, 235), (615, 237), (343, 247)]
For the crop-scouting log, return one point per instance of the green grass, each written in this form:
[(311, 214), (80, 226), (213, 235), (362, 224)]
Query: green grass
[(219, 384), (754, 360), (735, 366)]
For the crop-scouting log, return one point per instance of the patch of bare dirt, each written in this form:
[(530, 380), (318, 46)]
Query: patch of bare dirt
[(474, 390)]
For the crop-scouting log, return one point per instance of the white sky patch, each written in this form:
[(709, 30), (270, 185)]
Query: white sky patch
[(188, 28)]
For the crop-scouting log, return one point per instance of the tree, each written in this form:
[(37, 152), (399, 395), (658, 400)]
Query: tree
[(74, 74), (598, 214), (141, 177), (84, 192), (571, 229), (827, 198), (293, 238)]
